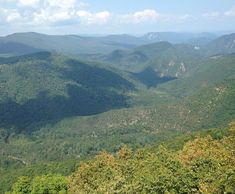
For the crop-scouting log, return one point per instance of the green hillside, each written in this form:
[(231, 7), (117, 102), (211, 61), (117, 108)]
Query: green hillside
[(206, 73), (222, 45), (57, 110), (164, 58), (46, 87), (151, 115)]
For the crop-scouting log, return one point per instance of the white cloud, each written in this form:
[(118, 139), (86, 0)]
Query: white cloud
[(147, 15), (47, 17), (28, 2), (56, 15), (88, 18), (21, 2), (13, 16), (60, 16), (230, 12), (151, 16), (63, 4), (30, 14), (40, 12), (7, 1), (10, 15)]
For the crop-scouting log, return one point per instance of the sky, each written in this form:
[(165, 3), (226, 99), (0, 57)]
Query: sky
[(116, 16)]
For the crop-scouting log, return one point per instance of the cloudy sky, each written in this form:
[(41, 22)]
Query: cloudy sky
[(115, 16)]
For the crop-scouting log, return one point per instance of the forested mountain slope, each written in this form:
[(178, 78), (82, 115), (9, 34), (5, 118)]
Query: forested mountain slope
[(150, 115), (45, 87), (57, 110), (222, 45), (163, 57)]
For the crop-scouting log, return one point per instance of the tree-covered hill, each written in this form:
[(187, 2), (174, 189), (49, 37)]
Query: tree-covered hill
[(167, 59), (163, 57), (45, 87), (206, 73), (222, 45)]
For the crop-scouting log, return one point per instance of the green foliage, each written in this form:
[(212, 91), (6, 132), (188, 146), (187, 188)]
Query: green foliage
[(213, 162), (47, 184), (204, 165), (50, 184), (12, 170), (22, 186)]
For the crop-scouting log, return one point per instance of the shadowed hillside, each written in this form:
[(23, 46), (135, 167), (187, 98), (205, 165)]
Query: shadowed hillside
[(151, 78), (44, 88)]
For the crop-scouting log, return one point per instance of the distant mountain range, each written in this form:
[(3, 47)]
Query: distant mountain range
[(179, 38)]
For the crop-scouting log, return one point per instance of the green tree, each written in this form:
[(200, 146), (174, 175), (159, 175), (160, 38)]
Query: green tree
[(46, 184), (212, 162), (49, 184), (22, 186)]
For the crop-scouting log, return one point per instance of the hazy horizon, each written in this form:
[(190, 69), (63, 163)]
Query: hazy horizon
[(218, 33)]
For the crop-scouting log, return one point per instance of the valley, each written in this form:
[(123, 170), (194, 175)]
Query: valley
[(73, 97)]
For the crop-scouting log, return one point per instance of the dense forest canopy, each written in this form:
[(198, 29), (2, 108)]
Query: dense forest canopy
[(205, 164)]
